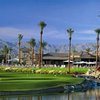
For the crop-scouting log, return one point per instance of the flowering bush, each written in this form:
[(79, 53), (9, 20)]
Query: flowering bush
[(42, 70)]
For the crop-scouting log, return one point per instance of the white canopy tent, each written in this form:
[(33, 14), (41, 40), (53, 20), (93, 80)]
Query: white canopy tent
[(91, 63), (80, 62), (13, 60), (68, 61)]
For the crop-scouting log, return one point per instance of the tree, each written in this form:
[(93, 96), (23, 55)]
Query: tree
[(5, 52), (70, 32), (32, 44), (88, 50), (44, 44), (74, 51), (20, 37), (42, 25), (97, 45), (9, 54)]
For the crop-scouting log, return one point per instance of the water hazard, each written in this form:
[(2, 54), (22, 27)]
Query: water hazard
[(93, 94)]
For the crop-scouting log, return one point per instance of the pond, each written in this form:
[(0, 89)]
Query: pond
[(93, 94)]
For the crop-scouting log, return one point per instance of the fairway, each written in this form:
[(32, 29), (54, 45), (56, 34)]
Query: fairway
[(12, 81)]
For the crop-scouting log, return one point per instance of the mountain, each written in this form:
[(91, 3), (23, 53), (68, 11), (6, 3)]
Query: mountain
[(9, 44), (60, 48), (63, 48)]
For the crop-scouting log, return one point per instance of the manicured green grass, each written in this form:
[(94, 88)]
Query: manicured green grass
[(13, 81), (74, 70), (62, 70)]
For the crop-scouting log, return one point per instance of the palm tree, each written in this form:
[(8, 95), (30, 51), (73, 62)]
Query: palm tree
[(32, 44), (44, 44), (88, 50), (97, 46), (70, 32), (5, 51), (42, 25), (9, 54), (73, 52), (20, 37)]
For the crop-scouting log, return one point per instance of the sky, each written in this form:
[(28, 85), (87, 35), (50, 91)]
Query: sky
[(23, 16)]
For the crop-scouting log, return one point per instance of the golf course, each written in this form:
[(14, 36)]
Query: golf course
[(24, 79)]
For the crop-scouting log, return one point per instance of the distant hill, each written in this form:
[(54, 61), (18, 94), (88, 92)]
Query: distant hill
[(9, 44), (60, 48)]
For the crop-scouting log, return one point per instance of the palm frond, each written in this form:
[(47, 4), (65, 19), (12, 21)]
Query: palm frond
[(42, 24), (20, 36), (70, 32), (32, 42), (97, 31)]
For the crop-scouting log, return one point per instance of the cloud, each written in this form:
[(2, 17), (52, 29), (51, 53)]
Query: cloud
[(11, 33), (54, 34), (50, 35), (84, 36), (8, 31), (86, 32)]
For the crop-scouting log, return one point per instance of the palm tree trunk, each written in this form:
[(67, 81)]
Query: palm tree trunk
[(41, 49), (6, 58), (19, 55), (73, 56), (32, 56), (97, 47), (40, 55), (69, 54)]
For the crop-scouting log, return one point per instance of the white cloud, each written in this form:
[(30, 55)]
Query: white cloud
[(10, 33), (86, 38), (86, 32), (50, 35), (54, 34)]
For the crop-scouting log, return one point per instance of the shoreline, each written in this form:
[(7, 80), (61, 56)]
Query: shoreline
[(84, 86)]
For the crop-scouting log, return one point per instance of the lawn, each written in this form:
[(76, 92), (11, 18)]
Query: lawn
[(15, 81), (74, 70)]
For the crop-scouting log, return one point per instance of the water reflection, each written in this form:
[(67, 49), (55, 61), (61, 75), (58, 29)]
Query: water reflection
[(89, 95), (39, 97)]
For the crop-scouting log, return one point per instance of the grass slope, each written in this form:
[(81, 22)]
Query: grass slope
[(12, 81)]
